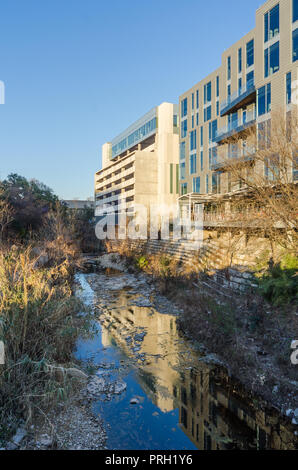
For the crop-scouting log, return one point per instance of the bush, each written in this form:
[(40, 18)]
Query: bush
[(279, 284), (38, 326)]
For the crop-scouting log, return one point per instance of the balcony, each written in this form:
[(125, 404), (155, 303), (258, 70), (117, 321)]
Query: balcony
[(242, 97), (235, 127), (220, 163)]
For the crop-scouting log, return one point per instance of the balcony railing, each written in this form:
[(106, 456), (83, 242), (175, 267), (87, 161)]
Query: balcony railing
[(235, 126), (244, 95), (220, 162)]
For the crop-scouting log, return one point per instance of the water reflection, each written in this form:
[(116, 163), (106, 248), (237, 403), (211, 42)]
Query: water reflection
[(214, 412)]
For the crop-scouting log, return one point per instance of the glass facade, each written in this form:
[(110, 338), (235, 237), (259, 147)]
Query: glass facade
[(212, 131), (182, 150), (271, 23), (250, 79), (183, 128), (271, 59), (250, 53), (135, 137), (207, 184), (193, 164), (182, 171), (207, 93), (295, 45), (295, 10), (193, 140), (183, 188), (288, 88), (229, 68), (196, 186), (184, 108), (207, 113), (264, 99), (240, 60)]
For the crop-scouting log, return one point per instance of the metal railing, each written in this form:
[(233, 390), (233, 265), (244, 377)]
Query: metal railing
[(241, 93), (236, 126)]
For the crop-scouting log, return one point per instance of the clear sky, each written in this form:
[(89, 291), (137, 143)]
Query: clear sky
[(78, 72)]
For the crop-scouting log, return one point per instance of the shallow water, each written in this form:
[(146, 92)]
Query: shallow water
[(180, 401)]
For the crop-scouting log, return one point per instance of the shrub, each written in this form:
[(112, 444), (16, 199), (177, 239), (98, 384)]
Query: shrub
[(279, 284)]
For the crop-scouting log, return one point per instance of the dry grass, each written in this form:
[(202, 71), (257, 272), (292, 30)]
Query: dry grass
[(38, 325)]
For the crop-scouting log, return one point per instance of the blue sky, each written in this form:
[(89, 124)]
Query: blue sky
[(78, 72)]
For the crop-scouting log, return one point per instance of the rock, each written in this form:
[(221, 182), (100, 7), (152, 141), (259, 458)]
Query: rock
[(11, 446), (77, 373), (96, 386), (119, 387), (134, 401), (19, 436), (45, 441)]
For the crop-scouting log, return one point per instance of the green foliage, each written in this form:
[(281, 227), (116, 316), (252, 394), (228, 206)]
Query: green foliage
[(142, 262), (279, 284)]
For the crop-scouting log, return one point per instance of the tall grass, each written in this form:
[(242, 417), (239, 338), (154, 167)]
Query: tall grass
[(38, 325)]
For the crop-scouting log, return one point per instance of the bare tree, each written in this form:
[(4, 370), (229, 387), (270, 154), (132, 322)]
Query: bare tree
[(263, 163)]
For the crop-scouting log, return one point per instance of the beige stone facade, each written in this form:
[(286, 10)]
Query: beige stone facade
[(264, 61), (141, 166)]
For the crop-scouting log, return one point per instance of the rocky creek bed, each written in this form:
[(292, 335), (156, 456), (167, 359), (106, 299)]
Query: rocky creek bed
[(147, 386)]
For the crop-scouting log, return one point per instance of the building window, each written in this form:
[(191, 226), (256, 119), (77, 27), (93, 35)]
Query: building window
[(193, 140), (202, 136), (207, 184), (217, 108), (196, 186), (229, 68), (288, 88), (250, 79), (182, 150), (197, 96), (217, 86), (295, 45), (250, 53), (192, 101), (192, 121), (207, 113), (171, 178), (271, 59), (295, 10), (229, 91), (212, 131), (197, 119), (182, 171), (183, 189), (271, 23), (240, 85), (216, 183), (184, 107), (207, 93), (193, 164), (202, 161), (264, 99), (183, 128), (240, 60)]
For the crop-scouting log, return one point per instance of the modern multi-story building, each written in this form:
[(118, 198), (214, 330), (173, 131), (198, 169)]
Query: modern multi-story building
[(257, 76), (141, 165)]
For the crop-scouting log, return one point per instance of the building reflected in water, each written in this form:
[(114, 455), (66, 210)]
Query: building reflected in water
[(214, 412)]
